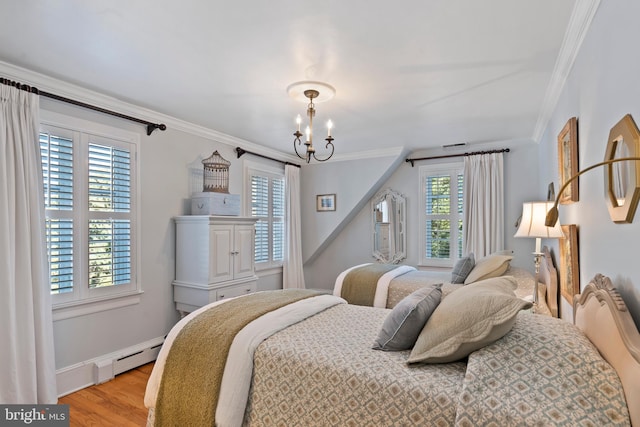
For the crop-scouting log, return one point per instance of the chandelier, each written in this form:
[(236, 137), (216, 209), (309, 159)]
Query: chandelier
[(320, 92)]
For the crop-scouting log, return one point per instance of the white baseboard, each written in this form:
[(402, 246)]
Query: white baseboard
[(104, 368)]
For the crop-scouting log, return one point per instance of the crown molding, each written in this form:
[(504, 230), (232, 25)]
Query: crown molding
[(581, 17)]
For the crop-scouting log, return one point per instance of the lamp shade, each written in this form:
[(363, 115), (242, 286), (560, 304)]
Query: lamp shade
[(532, 223)]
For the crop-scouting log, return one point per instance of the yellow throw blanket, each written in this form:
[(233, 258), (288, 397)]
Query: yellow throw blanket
[(190, 385), (359, 285)]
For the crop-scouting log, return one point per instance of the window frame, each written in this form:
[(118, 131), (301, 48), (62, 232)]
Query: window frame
[(253, 168), (453, 170), (82, 299)]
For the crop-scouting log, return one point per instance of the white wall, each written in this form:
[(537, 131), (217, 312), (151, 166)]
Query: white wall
[(601, 88), (352, 181), (354, 246)]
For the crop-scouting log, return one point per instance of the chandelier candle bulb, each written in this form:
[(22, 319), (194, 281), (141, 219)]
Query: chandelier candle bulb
[(329, 126), (298, 121)]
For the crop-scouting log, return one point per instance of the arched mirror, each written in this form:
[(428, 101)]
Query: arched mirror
[(622, 179), (389, 219)]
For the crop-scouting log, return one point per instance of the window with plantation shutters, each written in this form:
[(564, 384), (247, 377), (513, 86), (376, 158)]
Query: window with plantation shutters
[(441, 214), (89, 186), (266, 203)]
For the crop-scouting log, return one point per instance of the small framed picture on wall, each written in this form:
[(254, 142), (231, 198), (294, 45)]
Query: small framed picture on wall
[(325, 202)]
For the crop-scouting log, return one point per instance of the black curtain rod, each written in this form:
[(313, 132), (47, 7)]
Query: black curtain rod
[(242, 151), (474, 153), (150, 126)]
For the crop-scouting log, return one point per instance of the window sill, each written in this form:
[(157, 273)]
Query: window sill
[(69, 310), (268, 271)]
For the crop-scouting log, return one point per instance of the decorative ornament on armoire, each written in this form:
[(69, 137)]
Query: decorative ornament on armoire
[(216, 174), (215, 198)]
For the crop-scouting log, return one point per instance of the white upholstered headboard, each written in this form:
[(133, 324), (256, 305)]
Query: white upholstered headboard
[(602, 315)]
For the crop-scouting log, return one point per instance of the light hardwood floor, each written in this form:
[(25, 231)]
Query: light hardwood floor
[(118, 402)]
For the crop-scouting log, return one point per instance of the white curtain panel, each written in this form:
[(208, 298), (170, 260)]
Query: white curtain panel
[(484, 204), (27, 361), (292, 272)]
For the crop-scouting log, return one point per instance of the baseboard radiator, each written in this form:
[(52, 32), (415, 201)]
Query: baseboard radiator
[(106, 367)]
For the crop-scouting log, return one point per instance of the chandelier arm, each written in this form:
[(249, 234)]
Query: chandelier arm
[(329, 143), (297, 139)]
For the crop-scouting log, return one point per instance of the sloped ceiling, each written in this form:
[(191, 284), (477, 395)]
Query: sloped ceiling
[(413, 74)]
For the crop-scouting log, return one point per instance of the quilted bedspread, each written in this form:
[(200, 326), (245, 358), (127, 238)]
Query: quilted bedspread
[(544, 372), (322, 371)]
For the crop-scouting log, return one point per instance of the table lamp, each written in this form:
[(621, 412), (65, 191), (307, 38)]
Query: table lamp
[(532, 224)]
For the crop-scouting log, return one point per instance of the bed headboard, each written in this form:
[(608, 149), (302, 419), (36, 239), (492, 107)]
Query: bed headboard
[(602, 315), (549, 276)]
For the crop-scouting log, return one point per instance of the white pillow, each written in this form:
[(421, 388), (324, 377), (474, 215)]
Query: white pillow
[(468, 319), (488, 267)]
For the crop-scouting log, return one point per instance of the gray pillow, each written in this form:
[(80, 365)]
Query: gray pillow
[(462, 268), (403, 325), (468, 319)]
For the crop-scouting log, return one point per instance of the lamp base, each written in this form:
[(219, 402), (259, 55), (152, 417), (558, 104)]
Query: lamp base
[(536, 261)]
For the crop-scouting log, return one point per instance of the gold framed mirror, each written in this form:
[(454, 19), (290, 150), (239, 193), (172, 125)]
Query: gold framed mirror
[(622, 179)]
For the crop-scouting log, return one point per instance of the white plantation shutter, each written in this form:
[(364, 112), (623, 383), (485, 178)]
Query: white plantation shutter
[(267, 204), (109, 238), (56, 153), (442, 214), (278, 219), (260, 209)]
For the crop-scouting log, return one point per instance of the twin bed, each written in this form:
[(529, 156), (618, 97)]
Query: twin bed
[(386, 285), (289, 358)]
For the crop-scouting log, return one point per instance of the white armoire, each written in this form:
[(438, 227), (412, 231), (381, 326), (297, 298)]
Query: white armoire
[(214, 259)]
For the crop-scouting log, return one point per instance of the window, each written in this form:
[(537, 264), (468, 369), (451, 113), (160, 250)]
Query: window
[(266, 193), (441, 214), (90, 208)]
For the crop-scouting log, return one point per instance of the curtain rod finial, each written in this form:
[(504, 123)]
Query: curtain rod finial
[(153, 126)]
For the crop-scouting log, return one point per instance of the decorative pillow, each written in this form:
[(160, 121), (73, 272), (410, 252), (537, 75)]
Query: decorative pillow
[(462, 268), (402, 326), (467, 320), (488, 267)]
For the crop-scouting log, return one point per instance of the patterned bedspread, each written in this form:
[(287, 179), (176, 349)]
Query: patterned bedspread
[(322, 372), (545, 372)]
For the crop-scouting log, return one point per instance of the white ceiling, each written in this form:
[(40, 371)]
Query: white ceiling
[(415, 73)]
